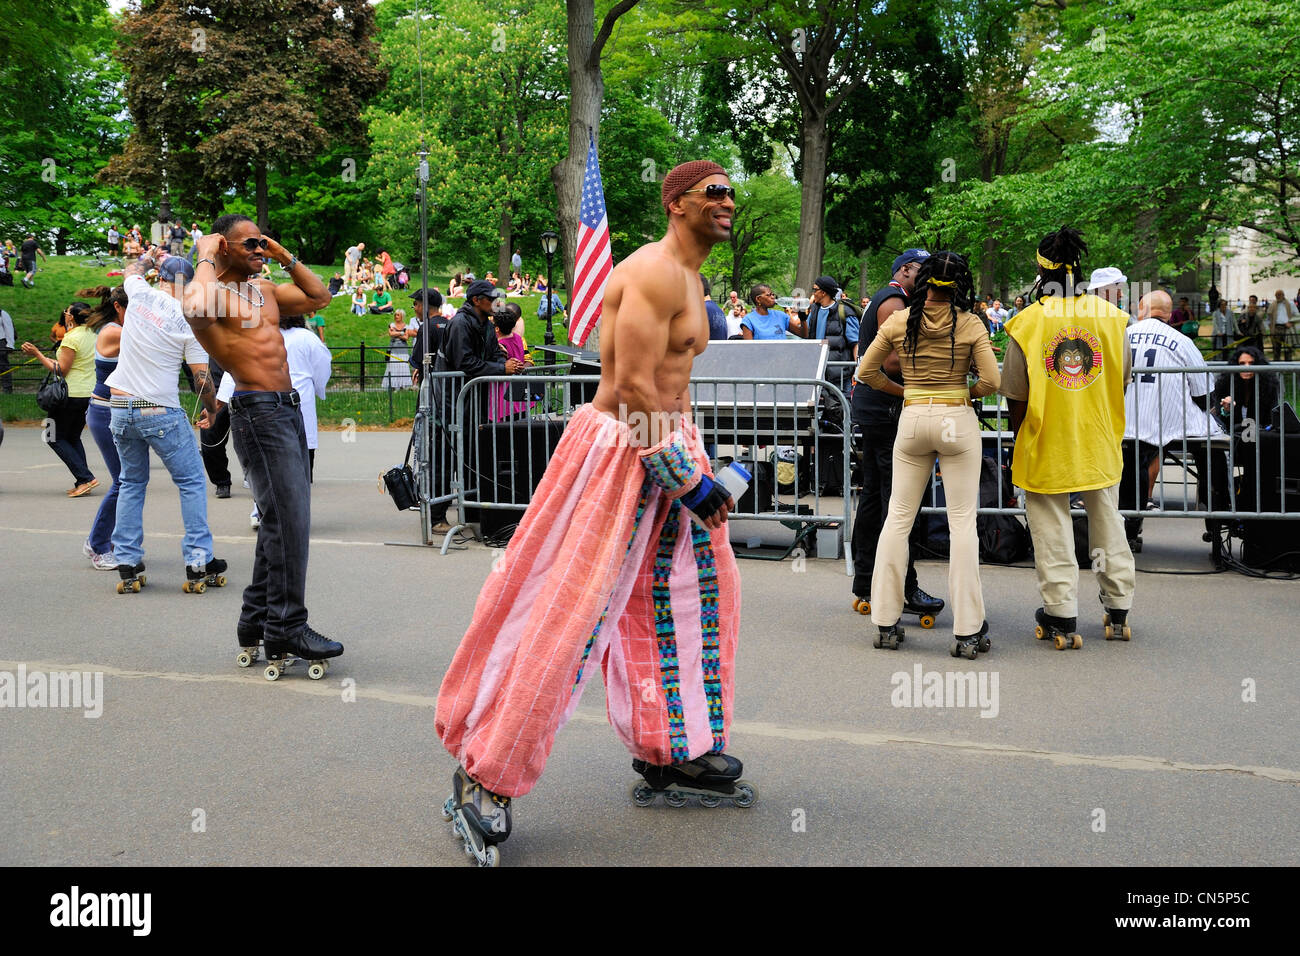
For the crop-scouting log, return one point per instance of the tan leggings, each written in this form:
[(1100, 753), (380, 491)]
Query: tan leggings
[(952, 433)]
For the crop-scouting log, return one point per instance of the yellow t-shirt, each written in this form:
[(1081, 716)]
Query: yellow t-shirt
[(1074, 354), (81, 376)]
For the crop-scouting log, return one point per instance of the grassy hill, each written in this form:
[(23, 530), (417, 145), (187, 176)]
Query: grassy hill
[(59, 279)]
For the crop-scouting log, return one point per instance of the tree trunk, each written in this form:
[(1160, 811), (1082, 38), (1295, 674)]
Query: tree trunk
[(507, 246), (61, 242), (814, 146), (263, 213), (586, 91), (1144, 252), (862, 278), (989, 259)]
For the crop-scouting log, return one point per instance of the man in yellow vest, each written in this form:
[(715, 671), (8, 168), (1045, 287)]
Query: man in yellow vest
[(1064, 374)]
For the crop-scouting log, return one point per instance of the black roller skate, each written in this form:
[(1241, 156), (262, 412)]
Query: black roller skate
[(198, 580), (306, 645), (925, 606), (969, 645), (711, 777), (250, 645), (478, 816), (133, 578), (889, 637), (1060, 629), (1116, 623)]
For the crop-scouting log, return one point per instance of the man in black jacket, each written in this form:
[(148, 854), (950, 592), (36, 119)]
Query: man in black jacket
[(469, 344), (427, 304)]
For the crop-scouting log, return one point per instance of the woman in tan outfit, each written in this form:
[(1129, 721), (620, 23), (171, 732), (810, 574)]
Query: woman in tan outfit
[(938, 340)]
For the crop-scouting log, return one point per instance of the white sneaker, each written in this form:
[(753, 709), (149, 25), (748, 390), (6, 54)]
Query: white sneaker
[(254, 520), (245, 482), (87, 550), (104, 562)]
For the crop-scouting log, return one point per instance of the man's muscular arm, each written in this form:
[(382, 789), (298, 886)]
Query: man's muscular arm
[(203, 383), (205, 300), (306, 294), (645, 312)]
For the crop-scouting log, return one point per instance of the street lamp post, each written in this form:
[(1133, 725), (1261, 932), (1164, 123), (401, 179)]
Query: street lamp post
[(1214, 271), (550, 242)]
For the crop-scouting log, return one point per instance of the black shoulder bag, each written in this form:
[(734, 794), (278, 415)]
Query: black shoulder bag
[(53, 393), (400, 482)]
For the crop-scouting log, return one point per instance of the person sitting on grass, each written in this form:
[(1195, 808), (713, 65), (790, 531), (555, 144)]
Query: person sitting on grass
[(359, 302), (382, 303), (315, 323)]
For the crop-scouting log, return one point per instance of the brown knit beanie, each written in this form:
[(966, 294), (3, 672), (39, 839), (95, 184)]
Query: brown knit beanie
[(683, 177)]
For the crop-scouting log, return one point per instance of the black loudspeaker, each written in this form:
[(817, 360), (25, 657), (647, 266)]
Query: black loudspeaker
[(1271, 545), (510, 459), (583, 392)]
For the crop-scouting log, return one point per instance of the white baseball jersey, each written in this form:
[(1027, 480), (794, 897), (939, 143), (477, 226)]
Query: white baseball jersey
[(1158, 408)]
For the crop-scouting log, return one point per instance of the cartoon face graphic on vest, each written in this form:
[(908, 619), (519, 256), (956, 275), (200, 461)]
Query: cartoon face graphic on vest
[(1072, 358)]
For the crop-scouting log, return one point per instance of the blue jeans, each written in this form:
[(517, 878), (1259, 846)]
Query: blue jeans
[(101, 532), (167, 431), (271, 443)]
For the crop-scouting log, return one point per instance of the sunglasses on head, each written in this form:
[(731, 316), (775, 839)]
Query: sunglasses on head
[(715, 191), (250, 243)]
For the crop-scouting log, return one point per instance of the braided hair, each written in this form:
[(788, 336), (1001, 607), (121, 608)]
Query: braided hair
[(948, 273), (1064, 251)]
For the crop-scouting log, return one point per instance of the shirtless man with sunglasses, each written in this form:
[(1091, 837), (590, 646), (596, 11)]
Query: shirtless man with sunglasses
[(235, 315)]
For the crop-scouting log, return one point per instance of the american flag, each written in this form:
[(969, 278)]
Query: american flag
[(594, 262)]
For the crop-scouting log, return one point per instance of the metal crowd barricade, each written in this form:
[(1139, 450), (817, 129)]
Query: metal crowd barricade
[(540, 404), (433, 446)]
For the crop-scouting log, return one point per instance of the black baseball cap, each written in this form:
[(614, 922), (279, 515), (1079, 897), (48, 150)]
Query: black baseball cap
[(480, 287), (430, 296), (828, 285)]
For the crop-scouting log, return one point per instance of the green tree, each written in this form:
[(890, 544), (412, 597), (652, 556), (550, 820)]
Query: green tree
[(226, 90)]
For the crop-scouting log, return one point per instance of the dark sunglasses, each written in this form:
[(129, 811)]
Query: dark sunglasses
[(250, 244), (715, 191)]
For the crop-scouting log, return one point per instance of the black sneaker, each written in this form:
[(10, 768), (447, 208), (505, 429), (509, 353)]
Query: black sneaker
[(223, 491)]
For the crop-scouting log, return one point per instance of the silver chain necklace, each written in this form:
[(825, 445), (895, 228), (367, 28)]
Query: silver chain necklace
[(261, 300)]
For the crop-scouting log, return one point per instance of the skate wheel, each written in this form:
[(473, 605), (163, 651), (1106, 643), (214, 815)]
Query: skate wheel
[(710, 801), (447, 807), (491, 857), (970, 652), (893, 642), (876, 641), (1077, 641), (221, 580), (137, 585), (1110, 631), (927, 621), (1039, 632), (140, 582), (985, 645), (675, 798), (1059, 641), (642, 795), (1127, 634), (745, 796), (862, 606), (316, 671), (272, 672), (244, 659), (185, 587), (121, 588), (1105, 620), (956, 648)]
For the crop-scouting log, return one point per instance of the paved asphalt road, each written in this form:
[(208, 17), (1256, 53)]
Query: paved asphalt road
[(1152, 736)]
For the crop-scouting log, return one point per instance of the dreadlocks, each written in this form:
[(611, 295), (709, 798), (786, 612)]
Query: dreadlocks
[(949, 276), (1060, 263)]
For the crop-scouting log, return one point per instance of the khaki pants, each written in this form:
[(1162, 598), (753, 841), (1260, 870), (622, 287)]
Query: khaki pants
[(951, 432), (1058, 571)]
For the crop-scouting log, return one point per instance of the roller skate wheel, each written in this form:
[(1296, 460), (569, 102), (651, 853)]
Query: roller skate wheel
[(185, 587), (1039, 632), (642, 794), (985, 645), (272, 672), (1077, 641), (1105, 620), (1110, 631), (447, 807), (244, 659), (956, 648), (137, 585), (491, 857), (745, 796), (1059, 641), (221, 581), (927, 621), (970, 651), (1127, 633), (675, 798), (140, 582), (316, 671), (710, 801), (875, 642), (862, 606), (121, 589)]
